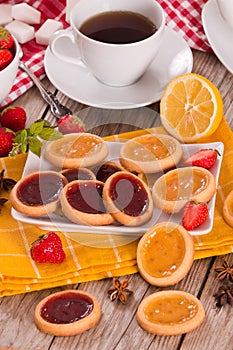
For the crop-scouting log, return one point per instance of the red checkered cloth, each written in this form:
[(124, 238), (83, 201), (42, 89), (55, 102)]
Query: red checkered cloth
[(183, 16)]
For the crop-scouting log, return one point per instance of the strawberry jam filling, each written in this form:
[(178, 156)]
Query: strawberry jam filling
[(67, 308), (86, 197), (129, 195), (77, 174), (40, 189), (105, 171)]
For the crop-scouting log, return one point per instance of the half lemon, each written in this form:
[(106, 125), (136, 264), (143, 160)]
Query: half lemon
[(191, 107)]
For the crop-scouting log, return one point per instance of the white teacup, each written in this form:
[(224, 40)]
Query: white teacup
[(8, 74), (112, 64), (226, 10)]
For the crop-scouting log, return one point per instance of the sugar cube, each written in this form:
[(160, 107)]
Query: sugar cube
[(44, 33), (5, 14), (69, 5), (26, 13), (22, 31)]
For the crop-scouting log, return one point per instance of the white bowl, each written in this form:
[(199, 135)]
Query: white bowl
[(8, 74)]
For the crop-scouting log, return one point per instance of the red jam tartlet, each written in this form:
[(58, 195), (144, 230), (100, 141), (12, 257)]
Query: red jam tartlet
[(107, 169), (67, 313), (82, 203), (128, 198), (37, 194), (78, 174)]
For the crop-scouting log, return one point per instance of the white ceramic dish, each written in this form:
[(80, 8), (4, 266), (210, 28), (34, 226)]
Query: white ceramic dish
[(174, 58), (219, 34), (59, 223)]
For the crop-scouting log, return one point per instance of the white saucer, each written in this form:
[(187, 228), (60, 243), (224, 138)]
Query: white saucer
[(174, 58), (219, 34)]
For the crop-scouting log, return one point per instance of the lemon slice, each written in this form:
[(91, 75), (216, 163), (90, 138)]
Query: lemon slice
[(165, 254), (76, 150), (170, 312), (191, 107), (172, 190), (150, 153)]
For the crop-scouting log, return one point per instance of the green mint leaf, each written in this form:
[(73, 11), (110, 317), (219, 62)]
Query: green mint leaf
[(50, 134), (35, 145), (21, 136), (36, 128)]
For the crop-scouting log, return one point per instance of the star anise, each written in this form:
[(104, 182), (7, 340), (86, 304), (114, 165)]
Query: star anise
[(2, 202), (223, 296), (5, 182), (120, 290), (225, 271)]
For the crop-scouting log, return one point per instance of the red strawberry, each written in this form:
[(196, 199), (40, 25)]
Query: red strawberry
[(69, 124), (6, 141), (194, 214), (5, 58), (13, 118), (204, 158), (48, 248), (6, 39)]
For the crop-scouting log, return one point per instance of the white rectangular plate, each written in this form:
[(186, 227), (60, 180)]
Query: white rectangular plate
[(62, 224)]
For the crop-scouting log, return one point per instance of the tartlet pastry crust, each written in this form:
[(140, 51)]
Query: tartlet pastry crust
[(228, 209), (76, 150), (159, 153), (78, 174), (170, 257), (68, 329), (78, 216), (104, 170), (36, 209), (170, 328), (119, 213), (172, 190)]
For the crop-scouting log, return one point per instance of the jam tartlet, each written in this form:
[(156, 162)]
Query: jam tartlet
[(228, 209), (76, 150), (170, 312), (165, 254), (78, 174), (107, 169), (172, 190), (128, 199), (37, 194), (67, 313), (82, 203), (150, 153)]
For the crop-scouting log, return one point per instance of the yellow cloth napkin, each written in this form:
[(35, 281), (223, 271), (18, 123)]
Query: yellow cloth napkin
[(20, 274)]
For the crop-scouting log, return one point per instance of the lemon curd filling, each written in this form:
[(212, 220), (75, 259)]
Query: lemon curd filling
[(150, 148), (170, 310), (163, 252), (183, 185), (82, 147)]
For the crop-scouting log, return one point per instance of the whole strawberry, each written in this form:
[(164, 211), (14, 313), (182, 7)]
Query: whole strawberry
[(204, 158), (48, 248), (194, 214), (6, 39), (5, 58), (70, 124), (13, 117), (6, 141)]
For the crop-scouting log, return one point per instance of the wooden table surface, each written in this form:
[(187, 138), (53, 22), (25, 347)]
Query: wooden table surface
[(118, 328)]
